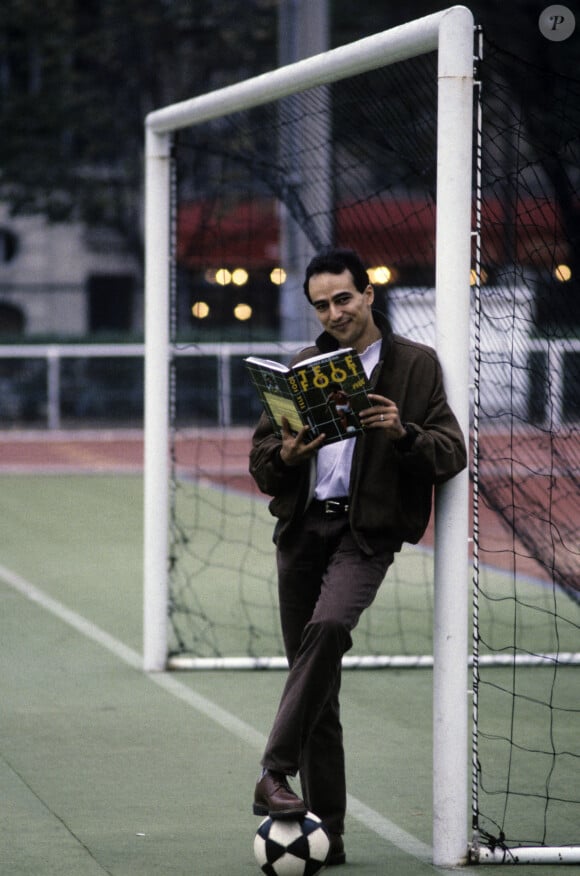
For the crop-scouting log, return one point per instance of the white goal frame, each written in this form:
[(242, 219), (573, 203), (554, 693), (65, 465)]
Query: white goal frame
[(451, 34)]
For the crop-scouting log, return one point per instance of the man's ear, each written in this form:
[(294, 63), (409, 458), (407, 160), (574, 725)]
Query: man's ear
[(370, 292)]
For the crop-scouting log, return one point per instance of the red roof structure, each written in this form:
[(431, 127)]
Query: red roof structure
[(395, 231)]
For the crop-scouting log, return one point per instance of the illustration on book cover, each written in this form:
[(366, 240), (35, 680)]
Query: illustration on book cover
[(323, 393)]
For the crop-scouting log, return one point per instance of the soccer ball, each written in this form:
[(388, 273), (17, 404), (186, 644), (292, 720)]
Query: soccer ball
[(291, 848)]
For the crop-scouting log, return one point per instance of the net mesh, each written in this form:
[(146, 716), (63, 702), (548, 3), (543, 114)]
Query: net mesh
[(527, 757), (354, 163)]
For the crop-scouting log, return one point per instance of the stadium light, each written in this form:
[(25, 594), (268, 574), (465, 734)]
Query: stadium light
[(240, 277), (473, 277), (200, 309), (243, 312), (223, 277), (563, 273), (381, 275), (278, 276)]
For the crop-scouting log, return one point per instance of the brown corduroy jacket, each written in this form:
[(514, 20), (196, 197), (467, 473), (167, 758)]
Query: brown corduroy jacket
[(391, 482)]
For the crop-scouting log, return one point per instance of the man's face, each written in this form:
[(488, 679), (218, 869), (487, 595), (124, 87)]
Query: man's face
[(344, 312)]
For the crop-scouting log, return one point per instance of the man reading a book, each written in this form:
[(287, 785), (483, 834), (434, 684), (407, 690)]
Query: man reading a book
[(343, 511)]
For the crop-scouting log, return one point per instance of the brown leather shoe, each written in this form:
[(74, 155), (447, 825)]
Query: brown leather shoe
[(274, 797), (336, 853)]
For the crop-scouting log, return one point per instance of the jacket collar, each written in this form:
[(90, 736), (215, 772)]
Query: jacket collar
[(326, 343)]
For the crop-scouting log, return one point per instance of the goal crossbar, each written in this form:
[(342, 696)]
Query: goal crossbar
[(450, 33), (379, 50)]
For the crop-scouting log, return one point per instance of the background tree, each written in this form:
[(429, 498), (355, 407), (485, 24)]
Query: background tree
[(77, 78), (541, 83)]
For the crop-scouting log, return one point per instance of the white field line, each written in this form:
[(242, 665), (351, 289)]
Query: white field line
[(371, 819)]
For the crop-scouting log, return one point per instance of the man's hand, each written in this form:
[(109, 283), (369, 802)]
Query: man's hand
[(384, 414), (294, 449)]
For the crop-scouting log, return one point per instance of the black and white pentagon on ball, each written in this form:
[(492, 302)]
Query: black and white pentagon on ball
[(291, 848)]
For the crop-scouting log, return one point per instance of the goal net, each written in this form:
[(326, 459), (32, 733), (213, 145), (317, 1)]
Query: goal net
[(329, 149), (250, 187), (526, 754), (339, 148), (353, 156)]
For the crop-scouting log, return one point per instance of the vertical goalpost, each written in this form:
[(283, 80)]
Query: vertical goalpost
[(450, 33)]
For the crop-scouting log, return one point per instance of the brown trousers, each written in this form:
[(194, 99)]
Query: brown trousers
[(325, 583)]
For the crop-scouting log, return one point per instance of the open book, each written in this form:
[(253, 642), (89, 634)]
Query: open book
[(324, 393)]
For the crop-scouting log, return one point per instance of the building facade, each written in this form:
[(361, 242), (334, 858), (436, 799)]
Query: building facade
[(64, 280)]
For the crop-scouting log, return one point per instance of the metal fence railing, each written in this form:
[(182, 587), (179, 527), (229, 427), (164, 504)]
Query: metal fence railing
[(53, 385)]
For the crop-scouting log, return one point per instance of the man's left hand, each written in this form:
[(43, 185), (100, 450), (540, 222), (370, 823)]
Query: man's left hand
[(384, 414)]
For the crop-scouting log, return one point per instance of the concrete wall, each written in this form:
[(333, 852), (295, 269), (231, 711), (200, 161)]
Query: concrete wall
[(47, 278)]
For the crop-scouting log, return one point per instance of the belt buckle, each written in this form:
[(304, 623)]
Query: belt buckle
[(332, 507)]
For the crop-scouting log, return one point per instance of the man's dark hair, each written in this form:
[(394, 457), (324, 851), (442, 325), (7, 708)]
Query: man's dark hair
[(334, 260)]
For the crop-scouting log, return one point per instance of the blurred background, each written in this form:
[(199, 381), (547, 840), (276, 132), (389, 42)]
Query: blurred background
[(76, 82)]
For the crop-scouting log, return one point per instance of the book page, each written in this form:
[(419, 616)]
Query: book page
[(268, 364), (283, 407), (322, 357)]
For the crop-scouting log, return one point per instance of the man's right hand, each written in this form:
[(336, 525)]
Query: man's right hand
[(294, 448)]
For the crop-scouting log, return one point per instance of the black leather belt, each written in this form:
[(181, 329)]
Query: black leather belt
[(331, 507)]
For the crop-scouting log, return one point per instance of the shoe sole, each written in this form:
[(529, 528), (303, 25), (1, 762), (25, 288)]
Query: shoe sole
[(279, 814)]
